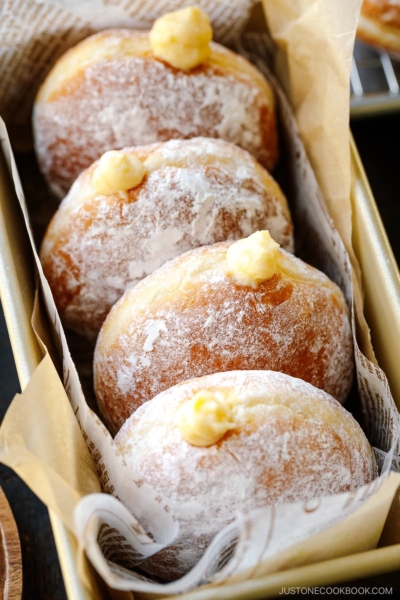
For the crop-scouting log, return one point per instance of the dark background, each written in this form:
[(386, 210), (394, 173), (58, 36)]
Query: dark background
[(378, 141)]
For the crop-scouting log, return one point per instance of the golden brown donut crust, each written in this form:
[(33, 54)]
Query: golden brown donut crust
[(110, 92), (190, 319), (379, 24), (291, 442), (386, 12), (196, 192)]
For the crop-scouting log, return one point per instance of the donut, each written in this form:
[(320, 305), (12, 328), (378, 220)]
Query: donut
[(118, 88), (232, 442), (230, 306), (379, 24), (180, 195)]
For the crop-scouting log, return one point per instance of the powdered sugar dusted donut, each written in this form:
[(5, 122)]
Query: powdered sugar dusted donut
[(286, 442), (190, 193), (110, 92), (192, 318)]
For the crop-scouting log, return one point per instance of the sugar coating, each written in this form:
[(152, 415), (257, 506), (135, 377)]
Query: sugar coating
[(291, 442), (296, 322), (123, 96), (196, 192)]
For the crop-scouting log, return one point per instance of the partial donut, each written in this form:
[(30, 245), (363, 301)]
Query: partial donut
[(194, 317), (110, 92), (279, 440), (379, 24), (184, 194)]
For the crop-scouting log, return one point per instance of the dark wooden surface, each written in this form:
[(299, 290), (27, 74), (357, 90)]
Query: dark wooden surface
[(10, 550), (42, 578), (378, 140)]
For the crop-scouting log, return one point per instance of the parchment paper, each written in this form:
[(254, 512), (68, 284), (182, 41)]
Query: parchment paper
[(315, 40), (335, 525)]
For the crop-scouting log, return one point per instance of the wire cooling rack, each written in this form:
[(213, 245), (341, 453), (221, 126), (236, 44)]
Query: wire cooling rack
[(374, 82), (374, 79)]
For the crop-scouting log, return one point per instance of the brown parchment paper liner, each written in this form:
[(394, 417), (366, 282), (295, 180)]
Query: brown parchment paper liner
[(39, 448)]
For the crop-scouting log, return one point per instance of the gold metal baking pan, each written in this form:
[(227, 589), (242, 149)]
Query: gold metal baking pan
[(17, 286), (381, 277), (382, 302)]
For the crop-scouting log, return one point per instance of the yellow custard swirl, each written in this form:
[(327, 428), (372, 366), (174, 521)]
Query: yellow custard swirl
[(182, 38), (204, 419), (117, 171), (252, 260)]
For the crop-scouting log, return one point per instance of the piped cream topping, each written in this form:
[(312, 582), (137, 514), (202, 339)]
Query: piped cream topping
[(252, 260), (205, 419), (117, 171), (182, 38)]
